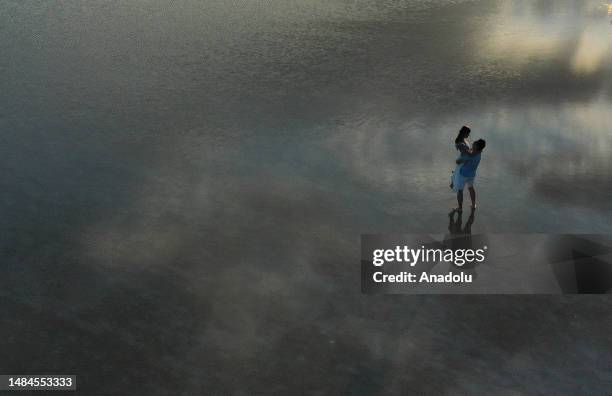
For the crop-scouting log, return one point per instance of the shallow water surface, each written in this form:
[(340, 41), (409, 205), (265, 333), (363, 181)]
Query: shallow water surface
[(184, 186)]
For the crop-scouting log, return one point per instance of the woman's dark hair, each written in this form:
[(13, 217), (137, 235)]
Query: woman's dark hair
[(463, 133)]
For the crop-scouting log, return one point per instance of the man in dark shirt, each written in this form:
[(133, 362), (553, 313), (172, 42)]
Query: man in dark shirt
[(470, 163)]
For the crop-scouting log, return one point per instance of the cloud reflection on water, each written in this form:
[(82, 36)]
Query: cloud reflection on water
[(524, 32), (215, 196)]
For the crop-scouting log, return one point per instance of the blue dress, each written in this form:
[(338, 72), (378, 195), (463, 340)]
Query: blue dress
[(456, 179)]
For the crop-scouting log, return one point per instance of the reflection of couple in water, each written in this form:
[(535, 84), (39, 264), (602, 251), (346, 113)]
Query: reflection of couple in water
[(455, 226), (467, 163)]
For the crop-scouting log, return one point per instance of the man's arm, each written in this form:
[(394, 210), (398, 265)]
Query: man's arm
[(465, 157)]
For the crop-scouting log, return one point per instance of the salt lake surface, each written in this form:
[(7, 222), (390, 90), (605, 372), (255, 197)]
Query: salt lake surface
[(184, 186)]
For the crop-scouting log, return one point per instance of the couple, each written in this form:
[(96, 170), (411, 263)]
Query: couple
[(467, 163)]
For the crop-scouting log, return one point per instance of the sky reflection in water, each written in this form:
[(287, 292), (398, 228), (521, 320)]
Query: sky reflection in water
[(223, 157)]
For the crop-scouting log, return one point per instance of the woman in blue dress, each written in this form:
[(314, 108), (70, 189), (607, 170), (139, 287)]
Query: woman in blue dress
[(463, 146)]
